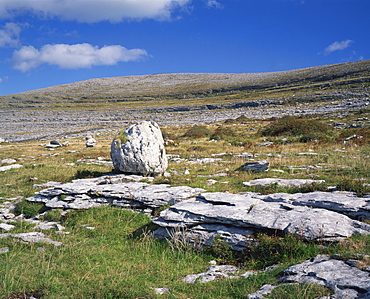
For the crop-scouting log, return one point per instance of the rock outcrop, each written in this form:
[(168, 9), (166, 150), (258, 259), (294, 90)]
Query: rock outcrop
[(235, 217), (140, 150), (118, 190)]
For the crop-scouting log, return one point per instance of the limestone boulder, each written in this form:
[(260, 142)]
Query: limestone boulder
[(140, 150)]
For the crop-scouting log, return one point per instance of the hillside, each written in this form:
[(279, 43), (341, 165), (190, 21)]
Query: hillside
[(181, 98)]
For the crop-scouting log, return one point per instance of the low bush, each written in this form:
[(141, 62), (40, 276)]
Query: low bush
[(357, 186), (53, 215), (223, 133), (29, 209), (308, 129), (198, 132)]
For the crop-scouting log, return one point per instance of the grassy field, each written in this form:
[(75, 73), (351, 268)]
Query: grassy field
[(120, 259)]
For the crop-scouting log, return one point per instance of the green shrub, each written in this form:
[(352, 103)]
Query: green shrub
[(53, 215), (309, 129), (271, 250), (29, 209), (223, 133), (198, 132), (354, 186)]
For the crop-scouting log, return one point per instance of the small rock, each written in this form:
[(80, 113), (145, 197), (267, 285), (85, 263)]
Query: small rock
[(6, 227), (4, 249), (161, 291), (256, 166), (8, 167), (8, 161)]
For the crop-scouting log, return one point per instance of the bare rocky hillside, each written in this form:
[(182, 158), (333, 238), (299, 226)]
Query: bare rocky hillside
[(111, 103)]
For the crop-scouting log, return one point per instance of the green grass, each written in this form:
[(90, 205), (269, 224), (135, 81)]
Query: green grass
[(119, 259)]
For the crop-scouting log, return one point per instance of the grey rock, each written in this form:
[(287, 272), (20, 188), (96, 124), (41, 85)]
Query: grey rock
[(6, 227), (346, 281), (249, 212), (4, 250), (144, 151), (120, 190), (8, 161), (204, 160), (256, 166), (212, 273), (268, 143), (281, 182), (161, 291), (32, 237), (8, 167), (90, 141), (264, 290), (342, 202)]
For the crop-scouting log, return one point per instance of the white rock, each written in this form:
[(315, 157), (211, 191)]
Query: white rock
[(143, 153), (8, 167), (8, 161)]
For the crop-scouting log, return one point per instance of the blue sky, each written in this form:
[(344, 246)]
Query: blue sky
[(51, 42)]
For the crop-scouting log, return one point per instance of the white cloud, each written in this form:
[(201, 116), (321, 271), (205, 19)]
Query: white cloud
[(214, 4), (73, 56), (9, 35), (337, 46), (92, 11)]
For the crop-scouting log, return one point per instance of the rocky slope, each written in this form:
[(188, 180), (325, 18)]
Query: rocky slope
[(112, 103)]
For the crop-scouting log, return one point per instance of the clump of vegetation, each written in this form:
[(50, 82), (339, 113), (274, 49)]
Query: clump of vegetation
[(223, 133), (29, 209), (362, 135), (307, 129), (238, 120), (53, 215), (198, 132), (122, 136), (357, 186)]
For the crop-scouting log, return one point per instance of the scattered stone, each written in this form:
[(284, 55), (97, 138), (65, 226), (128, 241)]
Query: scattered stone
[(8, 161), (256, 166), (12, 166), (266, 144), (204, 160), (32, 237), (212, 273), (161, 291), (4, 250), (142, 152), (244, 155), (281, 182), (54, 144), (90, 141)]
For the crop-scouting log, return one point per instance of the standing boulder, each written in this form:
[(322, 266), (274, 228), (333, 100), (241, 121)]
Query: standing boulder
[(90, 141), (140, 150)]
